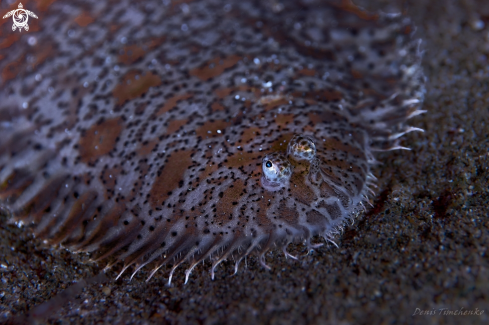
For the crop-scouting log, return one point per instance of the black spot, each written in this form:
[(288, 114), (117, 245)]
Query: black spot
[(441, 204)]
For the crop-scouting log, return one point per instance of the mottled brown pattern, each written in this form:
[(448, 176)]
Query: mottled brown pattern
[(334, 211), (13, 68), (284, 119), (175, 125), (84, 19), (216, 106), (280, 144), (100, 139), (35, 208), (109, 179), (316, 218), (249, 134), (99, 230), (172, 102), (80, 211), (147, 147), (169, 177), (215, 67), (272, 103), (17, 182), (229, 201), (226, 91), (211, 128), (263, 218), (134, 84), (290, 216), (302, 192), (167, 133), (333, 145)]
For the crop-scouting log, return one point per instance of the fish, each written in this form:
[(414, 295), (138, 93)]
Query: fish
[(166, 132)]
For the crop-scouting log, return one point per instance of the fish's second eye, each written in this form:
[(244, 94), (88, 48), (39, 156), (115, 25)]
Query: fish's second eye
[(301, 147), (269, 164)]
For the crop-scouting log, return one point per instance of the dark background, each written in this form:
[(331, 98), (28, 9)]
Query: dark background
[(423, 245)]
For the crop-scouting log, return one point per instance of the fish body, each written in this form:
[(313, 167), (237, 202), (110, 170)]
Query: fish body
[(177, 132)]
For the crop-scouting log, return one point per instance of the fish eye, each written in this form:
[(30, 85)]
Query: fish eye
[(301, 147), (276, 168)]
